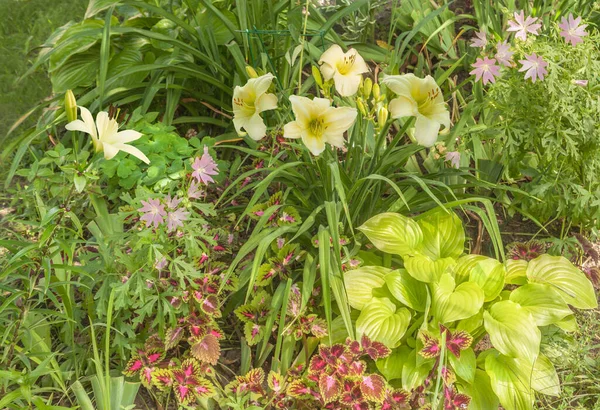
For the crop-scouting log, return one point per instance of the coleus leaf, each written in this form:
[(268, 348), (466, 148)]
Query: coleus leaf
[(203, 388), (456, 341), (361, 282), (162, 379), (207, 349), (393, 233), (255, 376), (375, 350), (451, 303), (318, 328), (299, 389), (265, 275), (454, 400), (381, 321), (316, 365), (373, 387), (330, 387), (253, 332), (173, 336), (443, 234), (431, 345), (210, 306), (275, 381), (246, 313)]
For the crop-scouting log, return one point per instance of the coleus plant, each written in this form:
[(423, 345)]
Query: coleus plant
[(468, 316)]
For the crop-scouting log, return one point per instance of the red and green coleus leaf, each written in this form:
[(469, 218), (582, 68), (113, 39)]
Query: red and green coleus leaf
[(253, 333), (210, 305), (288, 216), (275, 382), (375, 350), (352, 394), (162, 379), (394, 399), (173, 336), (188, 383), (330, 387), (454, 400), (299, 389), (207, 349), (456, 341), (318, 328), (143, 363), (247, 313), (373, 387), (317, 365), (431, 345), (265, 275)]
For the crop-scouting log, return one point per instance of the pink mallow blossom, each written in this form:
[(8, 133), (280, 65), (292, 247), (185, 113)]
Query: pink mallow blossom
[(571, 30), (175, 219), (480, 40), (535, 67), (454, 158), (503, 53), (154, 212), (205, 167), (486, 68), (523, 25), (172, 203), (194, 191)]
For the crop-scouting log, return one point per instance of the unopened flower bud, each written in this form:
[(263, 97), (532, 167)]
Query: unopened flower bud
[(382, 116), (367, 88), (581, 83), (317, 75), (70, 106), (251, 72), (361, 107), (376, 91)]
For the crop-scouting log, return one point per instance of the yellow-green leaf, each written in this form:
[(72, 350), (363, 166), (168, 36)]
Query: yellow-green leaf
[(425, 269), (393, 233), (381, 321), (489, 275), (443, 235), (464, 265), (452, 303), (510, 380), (516, 272), (543, 302), (407, 289), (360, 283)]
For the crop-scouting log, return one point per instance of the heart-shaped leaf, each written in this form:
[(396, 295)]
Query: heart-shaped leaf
[(452, 303), (489, 275), (443, 234), (407, 289), (480, 391), (571, 283), (464, 265), (543, 302), (544, 378), (360, 283), (516, 272), (425, 269), (510, 380), (381, 321), (512, 330), (393, 233)]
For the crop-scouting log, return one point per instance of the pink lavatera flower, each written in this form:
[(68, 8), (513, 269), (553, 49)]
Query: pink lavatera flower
[(194, 191), (534, 67), (204, 167), (503, 54), (487, 69), (571, 30), (176, 218), (154, 212), (172, 203), (522, 25), (480, 40)]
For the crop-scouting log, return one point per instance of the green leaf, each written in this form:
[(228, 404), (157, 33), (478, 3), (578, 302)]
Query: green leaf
[(465, 366), (543, 302), (451, 303), (480, 391), (516, 272), (572, 284), (443, 234), (489, 275), (512, 330), (360, 283), (407, 290), (424, 269), (568, 324), (391, 366), (464, 265), (544, 378), (414, 372), (381, 321), (79, 181), (393, 233), (510, 380)]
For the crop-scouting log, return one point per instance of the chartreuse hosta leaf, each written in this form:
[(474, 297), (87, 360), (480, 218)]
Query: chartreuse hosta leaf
[(425, 269), (443, 235), (407, 289), (480, 391), (572, 284), (464, 265), (516, 272), (489, 275), (465, 365), (544, 378), (512, 330), (511, 381), (543, 302), (393, 233), (383, 322), (451, 303), (360, 283)]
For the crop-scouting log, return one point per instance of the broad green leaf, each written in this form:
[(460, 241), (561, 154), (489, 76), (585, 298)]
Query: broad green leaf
[(381, 321), (571, 283), (481, 393), (543, 302), (512, 330), (471, 324), (393, 233), (424, 269), (413, 374), (465, 365), (510, 380), (568, 324), (391, 366), (544, 378), (443, 235), (464, 265), (360, 283), (452, 303), (489, 275), (516, 272), (407, 290)]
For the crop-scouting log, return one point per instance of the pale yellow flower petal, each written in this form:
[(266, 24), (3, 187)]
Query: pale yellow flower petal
[(399, 84), (130, 149), (255, 127), (107, 128), (402, 106), (261, 84), (338, 120), (109, 150), (79, 125), (315, 145), (359, 66), (292, 130), (426, 131), (87, 117), (126, 136), (346, 85), (266, 102), (329, 61)]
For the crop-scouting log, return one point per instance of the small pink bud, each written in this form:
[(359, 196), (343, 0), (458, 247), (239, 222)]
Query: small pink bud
[(581, 83)]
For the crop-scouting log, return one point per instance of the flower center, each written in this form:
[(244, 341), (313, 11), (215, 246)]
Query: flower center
[(317, 127), (425, 104), (346, 64), (246, 105)]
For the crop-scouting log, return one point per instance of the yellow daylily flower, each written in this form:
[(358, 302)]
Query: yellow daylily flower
[(317, 123), (420, 98), (248, 102), (106, 136), (346, 69)]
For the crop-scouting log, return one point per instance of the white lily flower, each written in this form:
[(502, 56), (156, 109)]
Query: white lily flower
[(317, 123), (346, 69), (420, 98), (249, 101), (106, 136)]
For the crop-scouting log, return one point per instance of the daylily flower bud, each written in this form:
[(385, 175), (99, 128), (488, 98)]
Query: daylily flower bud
[(251, 72), (367, 88), (317, 75), (361, 107), (382, 116), (70, 106), (581, 83), (376, 91)]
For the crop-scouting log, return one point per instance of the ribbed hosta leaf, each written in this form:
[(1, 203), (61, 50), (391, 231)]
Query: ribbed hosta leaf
[(480, 391), (489, 275), (510, 380), (571, 283), (425, 269), (544, 378), (393, 233), (516, 272), (464, 265), (452, 303), (381, 321), (443, 235), (407, 289), (360, 283), (512, 330), (543, 302)]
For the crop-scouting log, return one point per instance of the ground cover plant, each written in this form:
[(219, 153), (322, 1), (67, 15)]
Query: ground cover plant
[(298, 205)]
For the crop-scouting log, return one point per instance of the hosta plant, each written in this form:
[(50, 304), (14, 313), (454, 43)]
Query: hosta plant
[(461, 328)]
